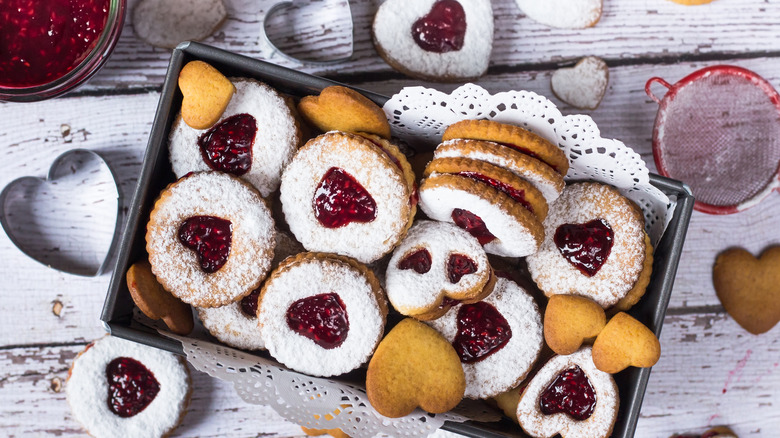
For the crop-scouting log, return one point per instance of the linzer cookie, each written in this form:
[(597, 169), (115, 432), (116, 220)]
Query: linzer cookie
[(497, 339), (340, 108), (343, 194), (210, 239), (438, 40), (436, 266), (155, 302), (571, 397), (503, 226), (254, 138), (565, 14), (512, 137), (119, 388), (321, 314), (595, 246)]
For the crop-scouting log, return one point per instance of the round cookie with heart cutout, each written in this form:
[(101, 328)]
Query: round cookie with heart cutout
[(437, 40), (120, 388)]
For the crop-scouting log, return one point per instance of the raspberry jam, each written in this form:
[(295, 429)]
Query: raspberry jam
[(482, 331), (210, 238), (340, 200), (459, 265), (250, 302), (571, 393), (419, 260), (43, 40), (441, 30), (517, 195), (526, 151), (473, 224), (131, 386), (321, 318), (585, 246), (227, 146)]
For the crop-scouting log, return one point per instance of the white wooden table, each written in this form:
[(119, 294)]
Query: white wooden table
[(711, 371)]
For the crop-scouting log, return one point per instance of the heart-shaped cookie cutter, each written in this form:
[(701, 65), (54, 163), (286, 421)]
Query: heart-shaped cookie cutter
[(31, 234), (280, 6)]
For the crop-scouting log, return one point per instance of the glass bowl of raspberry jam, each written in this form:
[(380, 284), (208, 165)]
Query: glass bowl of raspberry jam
[(50, 47)]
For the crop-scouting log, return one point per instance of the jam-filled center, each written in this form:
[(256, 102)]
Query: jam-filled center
[(419, 260), (443, 29), (473, 224), (210, 237), (586, 246), (250, 303), (482, 331), (339, 200), (516, 194), (131, 386), (459, 265), (227, 146), (571, 393), (321, 318)]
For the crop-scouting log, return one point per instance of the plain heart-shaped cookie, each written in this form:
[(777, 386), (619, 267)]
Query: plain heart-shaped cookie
[(155, 302), (401, 376), (570, 320), (344, 109), (206, 92), (625, 342), (166, 23), (565, 14), (582, 86), (749, 288)]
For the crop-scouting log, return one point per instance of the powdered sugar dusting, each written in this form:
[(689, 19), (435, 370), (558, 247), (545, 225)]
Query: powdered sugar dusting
[(275, 143), (413, 293), (253, 237), (598, 425), (565, 14), (505, 368), (584, 85), (87, 390), (581, 203)]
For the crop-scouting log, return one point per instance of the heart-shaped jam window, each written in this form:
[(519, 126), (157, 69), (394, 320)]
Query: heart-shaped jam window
[(459, 265), (250, 303), (473, 224), (210, 237), (227, 146), (571, 393), (131, 386), (586, 246), (340, 200), (482, 331), (419, 260), (321, 318), (443, 29)]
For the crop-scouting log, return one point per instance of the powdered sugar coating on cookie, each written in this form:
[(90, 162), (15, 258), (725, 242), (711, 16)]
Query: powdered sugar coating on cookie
[(371, 168), (565, 14), (253, 237), (312, 276), (507, 367), (276, 140), (579, 204), (87, 390), (413, 293), (600, 422)]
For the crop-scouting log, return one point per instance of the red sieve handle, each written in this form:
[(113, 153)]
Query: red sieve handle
[(650, 82)]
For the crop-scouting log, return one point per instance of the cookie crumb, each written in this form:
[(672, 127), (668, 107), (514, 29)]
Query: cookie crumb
[(56, 384), (56, 308)]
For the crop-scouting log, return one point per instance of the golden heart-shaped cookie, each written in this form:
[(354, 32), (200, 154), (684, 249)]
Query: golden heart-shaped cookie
[(625, 342), (402, 376), (155, 302), (692, 2), (570, 320), (582, 86), (749, 288), (344, 109), (207, 93)]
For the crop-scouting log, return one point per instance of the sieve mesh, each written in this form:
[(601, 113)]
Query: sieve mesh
[(720, 133)]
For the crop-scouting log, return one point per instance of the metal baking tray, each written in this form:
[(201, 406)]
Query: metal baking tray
[(156, 174)]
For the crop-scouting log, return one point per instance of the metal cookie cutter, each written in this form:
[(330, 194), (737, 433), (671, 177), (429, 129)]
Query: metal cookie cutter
[(278, 7)]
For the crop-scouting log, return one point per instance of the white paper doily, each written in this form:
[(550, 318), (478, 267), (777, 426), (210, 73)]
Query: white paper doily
[(420, 115)]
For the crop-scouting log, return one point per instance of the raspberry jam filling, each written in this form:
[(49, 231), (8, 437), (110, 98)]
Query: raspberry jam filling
[(473, 224), (227, 146), (249, 303), (459, 265), (419, 260), (441, 30), (482, 331), (448, 302), (517, 195), (340, 200), (321, 318), (586, 246), (210, 238), (571, 393), (131, 386), (43, 40)]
